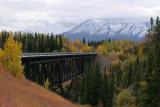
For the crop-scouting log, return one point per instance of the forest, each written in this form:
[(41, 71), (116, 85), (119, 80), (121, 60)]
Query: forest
[(130, 80)]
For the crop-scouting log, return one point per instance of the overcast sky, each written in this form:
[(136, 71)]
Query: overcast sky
[(60, 15)]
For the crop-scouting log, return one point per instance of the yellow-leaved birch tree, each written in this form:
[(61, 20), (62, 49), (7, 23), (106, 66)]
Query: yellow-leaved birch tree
[(10, 56)]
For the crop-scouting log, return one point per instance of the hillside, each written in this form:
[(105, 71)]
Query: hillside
[(16, 92), (101, 29)]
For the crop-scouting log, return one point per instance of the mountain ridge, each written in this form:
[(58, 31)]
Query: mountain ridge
[(99, 29)]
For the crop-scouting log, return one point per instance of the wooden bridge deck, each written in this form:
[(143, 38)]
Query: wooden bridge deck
[(56, 54)]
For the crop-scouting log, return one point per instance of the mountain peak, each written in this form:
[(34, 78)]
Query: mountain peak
[(99, 29)]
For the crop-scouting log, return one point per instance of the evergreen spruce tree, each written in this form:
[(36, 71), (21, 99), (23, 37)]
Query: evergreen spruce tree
[(150, 85), (84, 41), (91, 87)]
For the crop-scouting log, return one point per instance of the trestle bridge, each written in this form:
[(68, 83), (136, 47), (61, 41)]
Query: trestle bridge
[(56, 67)]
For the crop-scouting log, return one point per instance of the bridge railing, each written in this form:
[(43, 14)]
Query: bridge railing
[(56, 54)]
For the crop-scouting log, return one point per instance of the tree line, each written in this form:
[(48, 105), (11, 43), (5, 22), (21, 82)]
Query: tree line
[(35, 42)]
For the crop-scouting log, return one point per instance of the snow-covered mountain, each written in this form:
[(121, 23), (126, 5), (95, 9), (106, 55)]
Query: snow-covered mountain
[(109, 28)]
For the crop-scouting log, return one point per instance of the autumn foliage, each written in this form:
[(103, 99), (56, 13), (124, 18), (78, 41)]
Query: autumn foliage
[(10, 57), (76, 46)]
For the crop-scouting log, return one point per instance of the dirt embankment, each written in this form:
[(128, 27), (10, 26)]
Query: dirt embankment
[(16, 92)]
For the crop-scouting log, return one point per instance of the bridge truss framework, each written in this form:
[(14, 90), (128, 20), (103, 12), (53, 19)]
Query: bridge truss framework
[(57, 68)]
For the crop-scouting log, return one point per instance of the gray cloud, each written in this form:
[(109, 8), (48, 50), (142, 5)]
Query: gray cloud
[(60, 15)]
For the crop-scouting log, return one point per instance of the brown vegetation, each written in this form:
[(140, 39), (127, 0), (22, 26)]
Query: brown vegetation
[(17, 92)]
